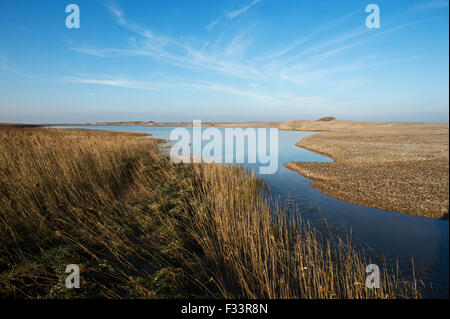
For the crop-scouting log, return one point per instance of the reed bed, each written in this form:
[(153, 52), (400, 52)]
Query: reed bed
[(259, 252), (140, 226)]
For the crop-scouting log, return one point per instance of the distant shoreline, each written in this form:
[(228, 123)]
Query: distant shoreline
[(322, 125)]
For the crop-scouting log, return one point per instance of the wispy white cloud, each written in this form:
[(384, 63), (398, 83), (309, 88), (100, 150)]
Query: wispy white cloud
[(238, 92), (238, 12), (101, 53), (212, 25), (160, 86), (180, 54), (305, 38), (287, 49), (120, 18), (227, 56), (439, 4), (344, 41), (116, 82), (281, 99), (238, 45), (301, 74), (338, 50), (231, 15), (320, 47)]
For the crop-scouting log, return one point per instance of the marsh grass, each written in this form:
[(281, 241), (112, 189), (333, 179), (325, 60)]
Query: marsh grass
[(140, 226)]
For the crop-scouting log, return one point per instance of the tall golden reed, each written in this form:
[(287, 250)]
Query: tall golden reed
[(140, 225)]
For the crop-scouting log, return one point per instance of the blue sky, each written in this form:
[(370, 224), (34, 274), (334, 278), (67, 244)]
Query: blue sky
[(225, 60)]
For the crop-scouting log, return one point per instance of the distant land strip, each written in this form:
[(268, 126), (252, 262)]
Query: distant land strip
[(323, 124)]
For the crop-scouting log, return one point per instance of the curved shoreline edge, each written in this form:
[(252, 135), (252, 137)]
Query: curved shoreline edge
[(401, 168)]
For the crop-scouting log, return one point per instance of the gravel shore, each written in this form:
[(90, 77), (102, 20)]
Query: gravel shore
[(402, 167)]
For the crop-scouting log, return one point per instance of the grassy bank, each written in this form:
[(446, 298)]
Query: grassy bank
[(140, 226)]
